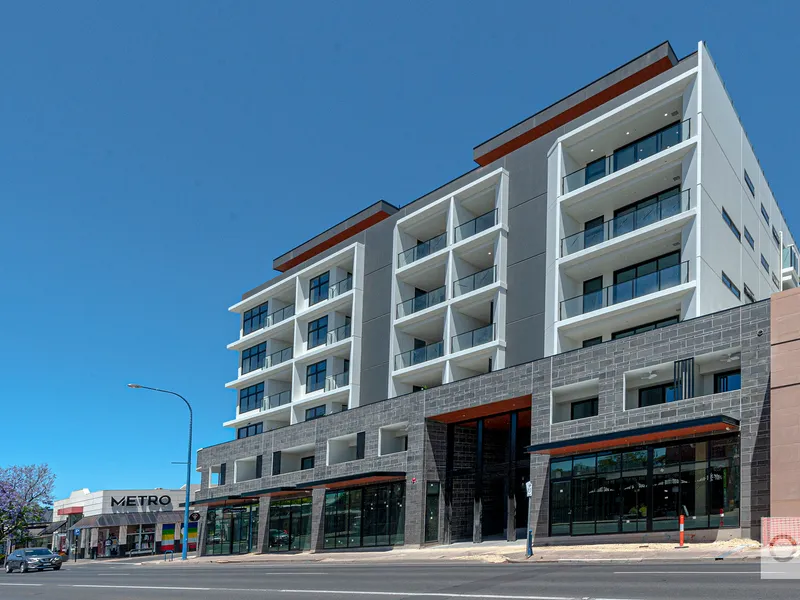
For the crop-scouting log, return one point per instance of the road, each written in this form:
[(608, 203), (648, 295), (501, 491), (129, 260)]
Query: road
[(454, 580)]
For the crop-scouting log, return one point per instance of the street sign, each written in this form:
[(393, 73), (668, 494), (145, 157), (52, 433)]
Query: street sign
[(195, 516), (528, 489), (77, 532)]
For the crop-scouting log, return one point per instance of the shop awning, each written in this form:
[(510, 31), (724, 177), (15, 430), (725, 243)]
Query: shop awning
[(53, 527), (368, 478), (214, 499), (275, 492), (131, 518), (642, 435)]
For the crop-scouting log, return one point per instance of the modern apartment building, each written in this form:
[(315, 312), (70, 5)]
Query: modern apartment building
[(585, 310)]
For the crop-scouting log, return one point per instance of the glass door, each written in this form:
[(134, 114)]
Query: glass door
[(432, 512), (560, 513)]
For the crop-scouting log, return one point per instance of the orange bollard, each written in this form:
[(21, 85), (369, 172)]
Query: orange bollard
[(681, 520)]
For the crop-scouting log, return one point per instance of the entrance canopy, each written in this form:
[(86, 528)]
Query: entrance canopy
[(642, 435), (131, 518), (53, 527)]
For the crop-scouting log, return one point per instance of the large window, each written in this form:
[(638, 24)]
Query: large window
[(315, 413), (250, 430), (318, 288), (657, 394), (647, 211), (290, 525), (647, 277), (317, 332), (315, 376), (644, 328), (253, 358), (369, 516), (583, 409), (255, 318), (250, 398), (231, 529), (646, 489), (728, 381), (307, 462)]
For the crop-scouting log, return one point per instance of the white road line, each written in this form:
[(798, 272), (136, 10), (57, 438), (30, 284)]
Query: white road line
[(24, 584), (720, 572), (331, 592)]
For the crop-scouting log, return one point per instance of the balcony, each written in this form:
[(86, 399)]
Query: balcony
[(475, 281), (628, 155), (422, 250), (276, 400), (340, 380), (626, 223), (278, 357), (339, 334), (422, 302), (279, 315), (418, 355), (340, 287), (476, 337), (621, 292), (476, 225)]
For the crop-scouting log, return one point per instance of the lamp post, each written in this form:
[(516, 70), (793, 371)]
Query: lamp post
[(185, 544)]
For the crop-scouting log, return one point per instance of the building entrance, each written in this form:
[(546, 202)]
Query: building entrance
[(231, 529), (486, 472)]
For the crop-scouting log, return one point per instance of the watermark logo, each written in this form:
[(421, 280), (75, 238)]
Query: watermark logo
[(780, 548)]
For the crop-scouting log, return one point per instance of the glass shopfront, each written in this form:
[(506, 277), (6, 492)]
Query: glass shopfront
[(141, 538), (290, 525), (231, 529), (369, 516), (646, 489)]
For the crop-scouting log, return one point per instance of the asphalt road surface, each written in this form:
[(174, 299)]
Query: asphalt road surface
[(454, 580)]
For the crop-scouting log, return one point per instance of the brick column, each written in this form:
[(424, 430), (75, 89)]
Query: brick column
[(317, 520), (201, 529), (540, 504), (262, 543)]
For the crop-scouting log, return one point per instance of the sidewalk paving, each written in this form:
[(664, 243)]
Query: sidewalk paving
[(507, 552)]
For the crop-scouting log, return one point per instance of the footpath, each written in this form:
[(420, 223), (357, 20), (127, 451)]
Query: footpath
[(510, 552)]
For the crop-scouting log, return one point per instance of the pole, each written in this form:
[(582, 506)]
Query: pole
[(681, 521), (529, 531), (185, 543)]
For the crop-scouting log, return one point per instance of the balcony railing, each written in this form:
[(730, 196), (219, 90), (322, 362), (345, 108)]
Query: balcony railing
[(470, 339), (476, 225), (339, 334), (474, 281), (627, 155), (634, 288), (279, 315), (276, 400), (418, 355), (422, 302), (422, 250), (337, 381), (278, 357), (641, 217), (340, 287)]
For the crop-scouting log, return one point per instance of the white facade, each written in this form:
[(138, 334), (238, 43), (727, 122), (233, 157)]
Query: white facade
[(106, 502), (687, 165), (294, 308), (449, 287)]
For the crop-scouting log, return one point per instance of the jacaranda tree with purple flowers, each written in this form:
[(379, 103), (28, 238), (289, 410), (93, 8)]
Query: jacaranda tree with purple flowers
[(25, 492)]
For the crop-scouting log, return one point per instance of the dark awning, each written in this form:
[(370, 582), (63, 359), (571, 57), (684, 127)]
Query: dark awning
[(274, 491), (642, 435), (371, 477), (53, 527), (131, 518), (214, 499)]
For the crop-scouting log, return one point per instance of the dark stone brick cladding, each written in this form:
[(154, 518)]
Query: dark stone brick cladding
[(728, 330)]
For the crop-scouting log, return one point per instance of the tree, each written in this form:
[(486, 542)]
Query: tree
[(25, 491)]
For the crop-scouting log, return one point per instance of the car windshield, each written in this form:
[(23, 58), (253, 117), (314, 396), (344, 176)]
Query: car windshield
[(37, 552)]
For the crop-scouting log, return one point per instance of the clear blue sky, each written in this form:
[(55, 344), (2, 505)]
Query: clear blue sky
[(156, 156)]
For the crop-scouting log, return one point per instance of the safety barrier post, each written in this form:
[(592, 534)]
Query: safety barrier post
[(681, 525)]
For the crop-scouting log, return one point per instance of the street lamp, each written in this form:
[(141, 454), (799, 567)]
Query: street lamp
[(185, 544)]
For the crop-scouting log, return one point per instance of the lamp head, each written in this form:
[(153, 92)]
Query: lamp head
[(134, 386)]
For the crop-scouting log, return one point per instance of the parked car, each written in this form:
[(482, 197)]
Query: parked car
[(278, 537), (32, 559)]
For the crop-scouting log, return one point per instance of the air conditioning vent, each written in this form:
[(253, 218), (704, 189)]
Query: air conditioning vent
[(676, 178), (675, 113)]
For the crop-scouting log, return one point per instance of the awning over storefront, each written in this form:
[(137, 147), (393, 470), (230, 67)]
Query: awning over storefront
[(53, 527), (368, 478), (276, 492), (642, 435), (131, 518), (214, 500)]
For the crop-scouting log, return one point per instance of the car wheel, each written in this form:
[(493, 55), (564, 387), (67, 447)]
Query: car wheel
[(56, 568), (23, 568), (8, 568)]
